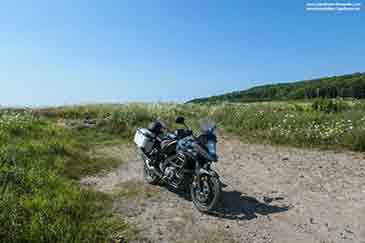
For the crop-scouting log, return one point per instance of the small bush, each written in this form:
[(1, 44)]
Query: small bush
[(330, 105), (355, 139)]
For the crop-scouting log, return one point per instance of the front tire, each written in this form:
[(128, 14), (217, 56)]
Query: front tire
[(207, 198)]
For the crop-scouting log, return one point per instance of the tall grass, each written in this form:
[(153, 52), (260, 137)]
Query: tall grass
[(294, 125), (326, 123), (39, 200)]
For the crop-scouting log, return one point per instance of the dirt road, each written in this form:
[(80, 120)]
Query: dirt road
[(271, 194)]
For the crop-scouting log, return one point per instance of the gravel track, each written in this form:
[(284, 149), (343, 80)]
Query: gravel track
[(270, 194)]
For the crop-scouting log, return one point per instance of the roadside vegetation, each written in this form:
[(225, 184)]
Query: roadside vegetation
[(40, 198), (44, 153), (331, 123), (326, 123)]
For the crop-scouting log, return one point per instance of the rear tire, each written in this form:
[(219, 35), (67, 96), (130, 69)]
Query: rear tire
[(211, 201), (150, 176)]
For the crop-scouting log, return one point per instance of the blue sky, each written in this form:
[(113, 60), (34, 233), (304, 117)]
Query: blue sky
[(68, 52)]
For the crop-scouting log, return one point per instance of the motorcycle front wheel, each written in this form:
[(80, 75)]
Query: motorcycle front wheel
[(206, 197)]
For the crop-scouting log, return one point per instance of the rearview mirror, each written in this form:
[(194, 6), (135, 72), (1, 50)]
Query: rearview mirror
[(180, 120)]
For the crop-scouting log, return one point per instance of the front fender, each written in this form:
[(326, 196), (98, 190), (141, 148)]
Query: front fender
[(203, 171)]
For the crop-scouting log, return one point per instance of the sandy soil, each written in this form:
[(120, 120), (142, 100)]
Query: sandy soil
[(271, 194)]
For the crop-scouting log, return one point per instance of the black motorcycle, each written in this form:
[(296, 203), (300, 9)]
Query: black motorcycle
[(182, 160)]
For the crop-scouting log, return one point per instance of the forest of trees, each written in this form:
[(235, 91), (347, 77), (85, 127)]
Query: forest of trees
[(351, 85)]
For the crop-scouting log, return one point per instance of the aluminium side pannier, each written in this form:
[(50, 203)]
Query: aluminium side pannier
[(144, 139)]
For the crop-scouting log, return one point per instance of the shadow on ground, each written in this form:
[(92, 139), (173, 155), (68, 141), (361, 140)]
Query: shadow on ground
[(239, 207), (236, 206)]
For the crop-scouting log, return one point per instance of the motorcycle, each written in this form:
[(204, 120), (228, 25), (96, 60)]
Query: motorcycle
[(182, 160)]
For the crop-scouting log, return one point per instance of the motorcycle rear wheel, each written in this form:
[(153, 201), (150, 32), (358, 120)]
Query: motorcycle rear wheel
[(150, 176), (206, 201)]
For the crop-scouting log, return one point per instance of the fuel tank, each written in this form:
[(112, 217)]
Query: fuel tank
[(169, 147)]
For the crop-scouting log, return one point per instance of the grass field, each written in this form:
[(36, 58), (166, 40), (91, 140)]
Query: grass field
[(320, 123), (44, 153), (41, 200)]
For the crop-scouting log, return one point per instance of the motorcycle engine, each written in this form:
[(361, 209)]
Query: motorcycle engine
[(170, 172), (172, 168)]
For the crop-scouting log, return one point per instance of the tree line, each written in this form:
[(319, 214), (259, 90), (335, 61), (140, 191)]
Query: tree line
[(346, 86)]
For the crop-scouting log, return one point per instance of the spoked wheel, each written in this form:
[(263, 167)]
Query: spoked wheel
[(150, 176), (207, 197)]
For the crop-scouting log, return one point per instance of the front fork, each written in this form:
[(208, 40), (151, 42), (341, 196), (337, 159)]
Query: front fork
[(201, 175)]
